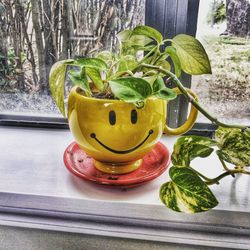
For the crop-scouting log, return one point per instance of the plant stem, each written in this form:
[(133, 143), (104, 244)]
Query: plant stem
[(216, 180), (122, 73), (167, 40), (146, 56), (211, 181), (177, 82), (229, 172), (223, 164), (201, 175)]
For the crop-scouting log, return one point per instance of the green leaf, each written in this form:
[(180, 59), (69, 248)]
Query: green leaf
[(150, 78), (171, 51), (187, 148), (161, 91), (95, 76), (124, 35), (128, 37), (192, 55), (234, 145), (164, 64), (186, 192), (166, 94), (57, 81), (127, 62), (148, 32), (130, 89), (131, 44), (105, 56), (158, 84), (91, 63), (80, 79)]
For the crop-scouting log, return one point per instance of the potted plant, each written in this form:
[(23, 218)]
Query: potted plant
[(117, 107)]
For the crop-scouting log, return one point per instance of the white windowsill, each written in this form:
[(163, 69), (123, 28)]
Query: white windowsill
[(37, 191)]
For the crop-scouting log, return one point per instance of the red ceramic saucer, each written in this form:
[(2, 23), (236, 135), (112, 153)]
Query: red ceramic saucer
[(153, 165)]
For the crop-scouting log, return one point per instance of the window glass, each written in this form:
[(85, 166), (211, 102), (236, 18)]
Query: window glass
[(34, 34), (224, 29)]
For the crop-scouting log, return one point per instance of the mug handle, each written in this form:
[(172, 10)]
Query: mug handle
[(190, 120)]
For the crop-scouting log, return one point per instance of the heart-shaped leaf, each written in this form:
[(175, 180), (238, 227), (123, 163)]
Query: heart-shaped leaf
[(127, 62), (130, 89), (164, 64), (166, 94), (124, 35), (171, 51), (56, 83), (158, 84), (91, 63), (151, 79), (105, 56), (148, 32), (186, 192), (131, 44), (161, 91), (234, 146), (95, 76), (192, 55), (187, 148), (80, 79)]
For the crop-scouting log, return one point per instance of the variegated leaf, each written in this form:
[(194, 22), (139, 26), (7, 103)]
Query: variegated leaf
[(193, 57), (148, 32), (95, 76), (234, 145), (187, 148), (186, 192), (80, 79), (56, 83)]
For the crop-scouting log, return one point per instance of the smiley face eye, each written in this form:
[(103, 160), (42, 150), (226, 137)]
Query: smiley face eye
[(112, 117), (133, 116)]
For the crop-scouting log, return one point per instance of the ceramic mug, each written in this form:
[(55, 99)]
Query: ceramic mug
[(116, 134)]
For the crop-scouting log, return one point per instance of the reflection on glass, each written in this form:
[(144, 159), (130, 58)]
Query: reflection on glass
[(224, 29), (34, 34)]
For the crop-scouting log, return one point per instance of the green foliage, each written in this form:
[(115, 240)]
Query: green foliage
[(131, 89), (217, 12), (10, 68), (186, 192), (234, 146), (95, 75), (130, 44), (188, 148), (95, 63), (126, 63), (105, 56), (171, 51), (147, 32), (56, 81), (160, 90), (192, 55), (116, 74), (80, 79), (133, 78)]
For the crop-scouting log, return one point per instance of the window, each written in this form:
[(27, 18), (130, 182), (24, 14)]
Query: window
[(42, 194), (223, 30), (34, 34)]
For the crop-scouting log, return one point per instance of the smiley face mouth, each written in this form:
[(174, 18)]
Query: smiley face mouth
[(93, 135)]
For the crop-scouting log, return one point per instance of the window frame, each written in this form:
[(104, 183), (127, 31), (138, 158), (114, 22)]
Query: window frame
[(153, 223), (170, 17)]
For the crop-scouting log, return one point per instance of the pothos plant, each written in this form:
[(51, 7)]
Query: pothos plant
[(135, 73)]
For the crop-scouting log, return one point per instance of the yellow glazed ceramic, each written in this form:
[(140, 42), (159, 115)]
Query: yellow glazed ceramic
[(117, 134)]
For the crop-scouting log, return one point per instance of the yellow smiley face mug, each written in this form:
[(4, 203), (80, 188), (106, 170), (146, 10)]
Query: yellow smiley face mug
[(116, 134)]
